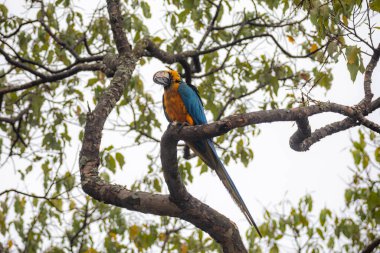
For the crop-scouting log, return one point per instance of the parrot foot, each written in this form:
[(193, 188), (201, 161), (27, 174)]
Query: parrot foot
[(174, 124), (181, 125)]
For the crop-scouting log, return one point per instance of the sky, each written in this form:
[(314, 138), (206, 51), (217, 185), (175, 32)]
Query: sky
[(277, 172)]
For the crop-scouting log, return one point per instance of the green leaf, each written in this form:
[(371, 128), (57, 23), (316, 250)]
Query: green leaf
[(204, 168), (69, 181), (188, 4), (146, 9), (92, 81), (2, 224), (157, 185), (120, 159), (4, 10), (353, 61), (322, 216), (348, 196), (20, 205), (320, 233), (375, 5), (111, 163), (331, 243), (274, 249), (365, 161), (57, 203), (377, 154)]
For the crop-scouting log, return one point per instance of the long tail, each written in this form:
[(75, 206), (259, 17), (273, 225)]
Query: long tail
[(206, 151)]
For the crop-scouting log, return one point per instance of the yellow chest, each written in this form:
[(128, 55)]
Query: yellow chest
[(174, 107)]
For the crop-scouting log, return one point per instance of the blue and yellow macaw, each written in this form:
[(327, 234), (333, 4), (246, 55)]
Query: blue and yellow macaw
[(182, 104)]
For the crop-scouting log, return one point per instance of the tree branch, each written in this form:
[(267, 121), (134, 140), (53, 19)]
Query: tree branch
[(202, 216), (13, 120), (210, 27), (373, 245), (368, 77), (53, 78), (193, 133), (28, 194), (117, 26), (20, 64)]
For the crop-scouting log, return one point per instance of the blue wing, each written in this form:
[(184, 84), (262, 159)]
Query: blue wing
[(192, 103)]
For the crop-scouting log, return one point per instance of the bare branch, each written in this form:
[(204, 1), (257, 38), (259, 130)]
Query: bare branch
[(13, 120), (368, 77), (6, 36), (232, 99), (52, 78), (27, 194), (19, 64), (251, 22), (53, 35), (210, 27), (372, 246)]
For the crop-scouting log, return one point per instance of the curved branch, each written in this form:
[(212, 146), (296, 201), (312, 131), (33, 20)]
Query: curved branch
[(241, 120), (7, 36), (368, 77), (13, 120), (302, 139), (24, 60), (20, 64), (202, 216)]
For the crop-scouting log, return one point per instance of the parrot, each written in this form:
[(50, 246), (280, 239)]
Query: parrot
[(182, 104)]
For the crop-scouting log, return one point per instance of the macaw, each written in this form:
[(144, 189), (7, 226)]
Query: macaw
[(183, 104)]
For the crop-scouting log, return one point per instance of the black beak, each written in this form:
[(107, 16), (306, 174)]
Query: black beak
[(162, 77)]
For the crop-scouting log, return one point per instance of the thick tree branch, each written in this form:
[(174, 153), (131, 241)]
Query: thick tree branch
[(92, 184), (117, 23), (218, 226), (241, 120), (301, 140)]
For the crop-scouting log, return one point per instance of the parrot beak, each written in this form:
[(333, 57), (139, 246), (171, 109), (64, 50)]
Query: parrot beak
[(162, 78)]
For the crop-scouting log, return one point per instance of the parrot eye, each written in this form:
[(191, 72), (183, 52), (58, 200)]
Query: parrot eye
[(162, 77)]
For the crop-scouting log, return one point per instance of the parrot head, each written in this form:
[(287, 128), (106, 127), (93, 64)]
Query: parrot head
[(166, 77)]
